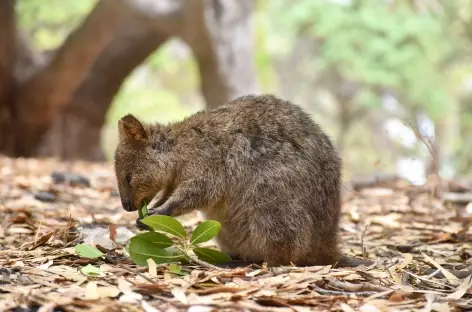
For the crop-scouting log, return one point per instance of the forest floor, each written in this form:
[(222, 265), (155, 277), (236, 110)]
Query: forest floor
[(421, 246)]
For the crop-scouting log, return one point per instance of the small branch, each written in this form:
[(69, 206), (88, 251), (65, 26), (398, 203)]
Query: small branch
[(343, 293), (206, 264), (356, 287), (136, 272), (346, 261), (362, 240), (426, 280), (457, 273)]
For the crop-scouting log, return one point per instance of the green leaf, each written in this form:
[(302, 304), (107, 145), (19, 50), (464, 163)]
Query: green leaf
[(211, 255), (87, 251), (174, 251), (91, 270), (141, 250), (143, 212), (159, 240), (166, 224), (175, 268), (205, 231)]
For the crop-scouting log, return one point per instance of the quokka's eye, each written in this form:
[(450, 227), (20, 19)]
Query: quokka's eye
[(128, 178)]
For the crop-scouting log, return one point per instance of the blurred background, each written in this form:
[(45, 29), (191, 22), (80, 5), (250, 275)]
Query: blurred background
[(390, 81)]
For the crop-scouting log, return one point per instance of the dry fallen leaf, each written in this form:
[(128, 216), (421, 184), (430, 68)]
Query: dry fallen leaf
[(152, 267), (45, 265), (346, 308), (449, 276), (110, 291), (462, 289), (179, 294), (148, 308), (91, 292), (129, 296)]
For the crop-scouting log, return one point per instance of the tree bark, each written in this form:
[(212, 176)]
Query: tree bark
[(44, 96), (7, 63), (76, 133), (220, 36)]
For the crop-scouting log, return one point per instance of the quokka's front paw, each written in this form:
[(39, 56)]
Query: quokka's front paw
[(162, 211)]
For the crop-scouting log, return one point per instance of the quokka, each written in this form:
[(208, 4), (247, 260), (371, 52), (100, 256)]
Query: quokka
[(259, 165)]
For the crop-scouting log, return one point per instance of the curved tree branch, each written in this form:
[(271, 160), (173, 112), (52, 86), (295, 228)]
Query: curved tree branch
[(220, 36), (76, 132), (50, 89)]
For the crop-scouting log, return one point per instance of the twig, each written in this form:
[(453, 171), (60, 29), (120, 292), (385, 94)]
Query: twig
[(137, 273), (36, 235), (426, 141), (457, 273), (424, 279), (433, 153), (356, 287), (20, 253), (362, 240), (206, 264), (343, 293), (433, 274)]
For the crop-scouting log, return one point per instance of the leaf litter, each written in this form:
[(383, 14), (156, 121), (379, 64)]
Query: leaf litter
[(421, 246)]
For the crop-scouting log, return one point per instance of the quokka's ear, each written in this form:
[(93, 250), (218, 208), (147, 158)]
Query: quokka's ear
[(131, 129)]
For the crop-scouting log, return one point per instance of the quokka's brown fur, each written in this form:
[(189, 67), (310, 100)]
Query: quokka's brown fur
[(259, 165)]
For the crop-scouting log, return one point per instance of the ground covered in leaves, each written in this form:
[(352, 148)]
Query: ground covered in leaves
[(421, 245)]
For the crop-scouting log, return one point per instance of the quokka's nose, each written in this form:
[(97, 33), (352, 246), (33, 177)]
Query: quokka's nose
[(127, 205)]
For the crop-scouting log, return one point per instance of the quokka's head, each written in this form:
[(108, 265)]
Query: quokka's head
[(142, 162)]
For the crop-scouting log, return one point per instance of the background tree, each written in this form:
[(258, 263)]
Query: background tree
[(62, 105), (375, 74)]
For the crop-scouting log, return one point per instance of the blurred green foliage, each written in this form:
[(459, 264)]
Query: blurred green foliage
[(416, 50), (411, 49), (379, 46), (49, 22)]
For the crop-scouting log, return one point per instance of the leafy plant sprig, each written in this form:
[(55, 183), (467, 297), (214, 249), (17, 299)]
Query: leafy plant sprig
[(159, 247), (155, 244)]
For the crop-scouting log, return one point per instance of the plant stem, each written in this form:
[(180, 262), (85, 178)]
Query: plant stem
[(206, 264), (191, 258)]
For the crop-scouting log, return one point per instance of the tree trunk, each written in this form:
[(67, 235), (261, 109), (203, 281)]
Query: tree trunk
[(44, 96), (220, 36), (76, 133), (7, 63)]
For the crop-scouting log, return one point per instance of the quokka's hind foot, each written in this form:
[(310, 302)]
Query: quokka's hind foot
[(350, 262), (234, 264)]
